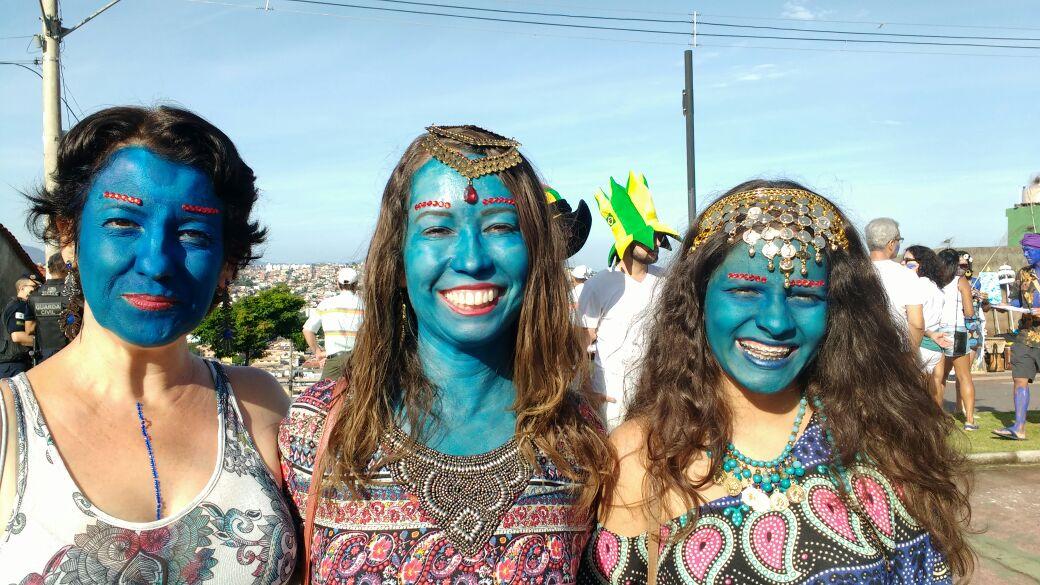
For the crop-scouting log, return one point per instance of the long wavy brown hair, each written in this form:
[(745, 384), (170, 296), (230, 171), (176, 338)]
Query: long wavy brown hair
[(385, 375), (877, 401)]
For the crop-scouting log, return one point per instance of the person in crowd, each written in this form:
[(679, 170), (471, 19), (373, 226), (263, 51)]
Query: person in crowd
[(957, 308), (126, 458), (456, 451), (19, 323), (47, 305), (774, 438), (923, 261), (340, 317), (613, 304), (1025, 352), (905, 296), (578, 276)]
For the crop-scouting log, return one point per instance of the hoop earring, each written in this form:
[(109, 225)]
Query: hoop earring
[(227, 336), (72, 303)]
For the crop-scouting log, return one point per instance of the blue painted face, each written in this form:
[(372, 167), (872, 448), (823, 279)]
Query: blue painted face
[(465, 264), (151, 248), (762, 334), (1032, 255)]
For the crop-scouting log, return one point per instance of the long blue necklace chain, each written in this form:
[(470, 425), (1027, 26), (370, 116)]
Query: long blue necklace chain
[(151, 459), (763, 485)]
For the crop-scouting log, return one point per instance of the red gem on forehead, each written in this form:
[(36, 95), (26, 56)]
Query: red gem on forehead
[(471, 195), (492, 200), (423, 204), (200, 209), (807, 283), (746, 276), (121, 197)]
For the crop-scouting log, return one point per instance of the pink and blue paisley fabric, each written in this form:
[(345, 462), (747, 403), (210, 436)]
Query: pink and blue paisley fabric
[(387, 538), (822, 539)]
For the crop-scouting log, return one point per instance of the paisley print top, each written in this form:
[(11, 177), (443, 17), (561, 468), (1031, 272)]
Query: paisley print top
[(238, 531), (1028, 297), (486, 519), (822, 539)]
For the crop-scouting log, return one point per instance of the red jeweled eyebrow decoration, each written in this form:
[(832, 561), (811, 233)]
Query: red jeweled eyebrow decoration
[(493, 200), (121, 197), (808, 283), (200, 209), (746, 276), (432, 203)]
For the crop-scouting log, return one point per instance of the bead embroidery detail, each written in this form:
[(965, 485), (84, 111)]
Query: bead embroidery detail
[(200, 209), (492, 200), (121, 197), (466, 496), (746, 276), (423, 204)]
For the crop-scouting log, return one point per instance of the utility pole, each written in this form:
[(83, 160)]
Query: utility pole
[(51, 35), (50, 41), (691, 175)]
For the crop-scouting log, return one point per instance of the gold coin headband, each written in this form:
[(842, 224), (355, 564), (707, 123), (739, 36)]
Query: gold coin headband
[(789, 222), (471, 168)]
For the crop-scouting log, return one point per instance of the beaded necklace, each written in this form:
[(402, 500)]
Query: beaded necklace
[(145, 423), (763, 485)]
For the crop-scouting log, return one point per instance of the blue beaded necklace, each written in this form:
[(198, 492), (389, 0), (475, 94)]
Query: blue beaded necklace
[(151, 458), (763, 485)]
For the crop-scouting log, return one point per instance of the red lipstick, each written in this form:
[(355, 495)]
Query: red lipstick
[(150, 302)]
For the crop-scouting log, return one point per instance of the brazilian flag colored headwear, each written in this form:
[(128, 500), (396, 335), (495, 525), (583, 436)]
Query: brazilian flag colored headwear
[(575, 223), (631, 215)]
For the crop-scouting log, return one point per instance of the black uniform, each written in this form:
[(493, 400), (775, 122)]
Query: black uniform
[(47, 304), (14, 357)]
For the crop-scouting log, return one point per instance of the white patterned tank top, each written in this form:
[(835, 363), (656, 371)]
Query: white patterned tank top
[(238, 530)]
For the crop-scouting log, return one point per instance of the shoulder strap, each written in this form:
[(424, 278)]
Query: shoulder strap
[(3, 432)]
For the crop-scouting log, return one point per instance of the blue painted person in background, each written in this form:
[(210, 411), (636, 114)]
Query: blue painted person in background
[(1025, 352), (768, 441), (455, 448), (153, 206)]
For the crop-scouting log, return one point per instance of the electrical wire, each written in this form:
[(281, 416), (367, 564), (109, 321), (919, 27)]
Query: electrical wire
[(30, 69), (870, 33), (872, 23), (663, 32), (532, 13), (65, 89)]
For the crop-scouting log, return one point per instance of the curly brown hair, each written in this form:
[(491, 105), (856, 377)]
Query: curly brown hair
[(385, 374), (877, 400)]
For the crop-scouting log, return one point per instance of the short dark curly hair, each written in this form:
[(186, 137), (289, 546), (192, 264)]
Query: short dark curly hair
[(174, 133)]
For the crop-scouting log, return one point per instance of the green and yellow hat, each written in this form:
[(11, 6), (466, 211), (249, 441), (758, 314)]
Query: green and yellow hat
[(575, 223), (631, 215)]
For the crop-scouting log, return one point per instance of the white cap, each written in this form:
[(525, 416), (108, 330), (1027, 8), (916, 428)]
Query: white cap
[(347, 275), (581, 272)]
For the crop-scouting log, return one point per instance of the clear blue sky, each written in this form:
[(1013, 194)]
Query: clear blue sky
[(321, 107)]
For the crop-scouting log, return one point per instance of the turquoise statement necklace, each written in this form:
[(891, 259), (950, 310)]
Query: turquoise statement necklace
[(763, 485)]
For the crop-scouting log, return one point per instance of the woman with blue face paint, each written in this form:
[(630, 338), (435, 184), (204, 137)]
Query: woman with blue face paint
[(125, 457), (454, 450), (778, 433)]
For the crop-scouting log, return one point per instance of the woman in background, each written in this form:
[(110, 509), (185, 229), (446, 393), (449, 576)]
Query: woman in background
[(958, 307)]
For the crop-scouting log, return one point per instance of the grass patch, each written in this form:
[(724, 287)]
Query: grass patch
[(983, 441)]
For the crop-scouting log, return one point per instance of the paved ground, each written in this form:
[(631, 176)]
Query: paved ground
[(992, 392), (1006, 509)]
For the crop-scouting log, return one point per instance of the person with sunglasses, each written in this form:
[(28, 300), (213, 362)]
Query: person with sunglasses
[(904, 294)]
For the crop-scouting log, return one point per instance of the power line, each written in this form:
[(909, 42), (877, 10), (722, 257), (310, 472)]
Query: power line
[(870, 33), (873, 23), (532, 13), (616, 39), (663, 32), (30, 69)]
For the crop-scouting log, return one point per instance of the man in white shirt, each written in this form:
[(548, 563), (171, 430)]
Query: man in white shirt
[(906, 296), (579, 275), (614, 305), (340, 317)]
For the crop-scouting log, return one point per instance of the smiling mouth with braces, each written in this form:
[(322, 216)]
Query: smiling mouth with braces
[(472, 299), (765, 352)]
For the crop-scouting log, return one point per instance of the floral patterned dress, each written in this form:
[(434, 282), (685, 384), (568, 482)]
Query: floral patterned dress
[(432, 518), (824, 538), (238, 530)]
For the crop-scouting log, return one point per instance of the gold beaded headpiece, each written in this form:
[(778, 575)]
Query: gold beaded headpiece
[(471, 168), (789, 222)]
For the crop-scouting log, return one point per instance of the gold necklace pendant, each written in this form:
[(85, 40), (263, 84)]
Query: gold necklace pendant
[(795, 493), (778, 501)]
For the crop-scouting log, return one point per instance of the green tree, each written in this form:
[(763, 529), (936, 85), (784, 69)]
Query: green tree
[(257, 320)]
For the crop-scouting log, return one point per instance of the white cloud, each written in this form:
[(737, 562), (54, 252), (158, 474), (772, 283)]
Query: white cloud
[(799, 9)]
